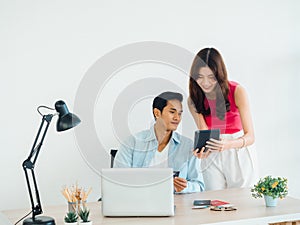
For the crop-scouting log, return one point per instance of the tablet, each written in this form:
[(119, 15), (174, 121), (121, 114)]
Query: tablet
[(202, 136)]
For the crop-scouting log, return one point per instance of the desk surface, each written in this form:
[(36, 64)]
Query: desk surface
[(250, 211)]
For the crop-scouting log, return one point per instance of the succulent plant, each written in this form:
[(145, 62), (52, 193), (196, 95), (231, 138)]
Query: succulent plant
[(84, 214), (71, 217)]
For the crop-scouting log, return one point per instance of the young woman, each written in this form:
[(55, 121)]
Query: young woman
[(217, 103)]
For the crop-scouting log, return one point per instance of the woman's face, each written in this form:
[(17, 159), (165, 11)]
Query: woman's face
[(206, 80)]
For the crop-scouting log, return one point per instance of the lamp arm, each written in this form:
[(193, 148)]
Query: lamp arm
[(29, 164)]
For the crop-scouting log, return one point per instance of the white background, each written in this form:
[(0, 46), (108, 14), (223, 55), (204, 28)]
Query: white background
[(47, 47)]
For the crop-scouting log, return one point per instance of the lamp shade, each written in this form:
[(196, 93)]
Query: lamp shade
[(66, 120)]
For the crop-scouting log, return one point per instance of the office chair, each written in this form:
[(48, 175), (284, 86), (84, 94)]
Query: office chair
[(113, 153)]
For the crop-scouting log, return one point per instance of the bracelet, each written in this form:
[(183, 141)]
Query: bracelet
[(244, 142)]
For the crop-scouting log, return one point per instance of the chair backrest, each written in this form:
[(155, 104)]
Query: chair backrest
[(113, 153)]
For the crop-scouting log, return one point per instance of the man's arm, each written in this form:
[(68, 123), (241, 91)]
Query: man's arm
[(195, 178), (191, 168)]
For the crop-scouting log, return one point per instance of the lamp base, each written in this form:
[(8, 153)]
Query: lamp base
[(45, 220)]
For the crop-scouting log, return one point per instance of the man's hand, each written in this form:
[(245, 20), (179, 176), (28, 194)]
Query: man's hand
[(201, 154), (179, 184)]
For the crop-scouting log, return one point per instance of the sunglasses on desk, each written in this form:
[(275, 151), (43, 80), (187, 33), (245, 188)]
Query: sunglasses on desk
[(218, 208)]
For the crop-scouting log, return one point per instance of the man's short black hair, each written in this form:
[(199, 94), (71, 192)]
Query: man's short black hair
[(161, 100)]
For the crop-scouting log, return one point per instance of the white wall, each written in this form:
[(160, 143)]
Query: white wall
[(47, 47)]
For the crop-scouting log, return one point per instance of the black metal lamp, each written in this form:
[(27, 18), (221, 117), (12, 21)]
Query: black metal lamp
[(66, 120)]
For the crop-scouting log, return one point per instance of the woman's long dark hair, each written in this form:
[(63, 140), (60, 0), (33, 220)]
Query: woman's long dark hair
[(210, 57)]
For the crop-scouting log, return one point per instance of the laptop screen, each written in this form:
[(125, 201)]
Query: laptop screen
[(137, 192)]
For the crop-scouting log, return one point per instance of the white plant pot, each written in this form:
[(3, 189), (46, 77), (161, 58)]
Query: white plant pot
[(86, 223), (270, 201), (74, 223)]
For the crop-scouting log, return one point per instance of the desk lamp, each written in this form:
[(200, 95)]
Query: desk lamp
[(66, 120)]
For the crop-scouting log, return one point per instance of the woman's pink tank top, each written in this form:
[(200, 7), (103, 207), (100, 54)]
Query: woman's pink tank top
[(232, 122)]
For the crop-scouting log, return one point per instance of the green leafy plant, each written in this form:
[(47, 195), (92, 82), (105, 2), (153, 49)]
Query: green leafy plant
[(84, 214), (71, 217), (275, 187)]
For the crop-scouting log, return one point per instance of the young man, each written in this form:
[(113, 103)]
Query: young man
[(161, 146)]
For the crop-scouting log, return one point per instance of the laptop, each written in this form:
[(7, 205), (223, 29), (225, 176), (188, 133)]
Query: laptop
[(137, 192)]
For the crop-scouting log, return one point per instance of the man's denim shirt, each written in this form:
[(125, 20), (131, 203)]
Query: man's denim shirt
[(138, 151)]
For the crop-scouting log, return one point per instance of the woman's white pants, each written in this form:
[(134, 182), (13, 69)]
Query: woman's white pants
[(233, 168)]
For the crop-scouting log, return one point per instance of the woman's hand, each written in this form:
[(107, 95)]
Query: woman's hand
[(201, 154), (218, 145)]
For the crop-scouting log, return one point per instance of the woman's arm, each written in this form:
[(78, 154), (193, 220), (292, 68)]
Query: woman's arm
[(198, 117), (241, 101)]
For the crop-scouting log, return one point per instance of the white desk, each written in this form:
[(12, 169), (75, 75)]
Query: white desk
[(250, 211)]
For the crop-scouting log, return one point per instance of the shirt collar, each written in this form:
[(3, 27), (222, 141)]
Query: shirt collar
[(175, 136)]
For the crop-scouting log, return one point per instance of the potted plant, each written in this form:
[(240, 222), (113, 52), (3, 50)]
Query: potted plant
[(84, 216), (271, 188), (71, 218)]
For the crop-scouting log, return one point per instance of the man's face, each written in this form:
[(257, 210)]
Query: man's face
[(170, 117)]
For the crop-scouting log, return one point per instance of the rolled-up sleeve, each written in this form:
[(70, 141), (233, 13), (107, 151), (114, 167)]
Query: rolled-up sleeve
[(190, 167), (194, 178)]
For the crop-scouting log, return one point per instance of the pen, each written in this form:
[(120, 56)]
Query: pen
[(200, 206)]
